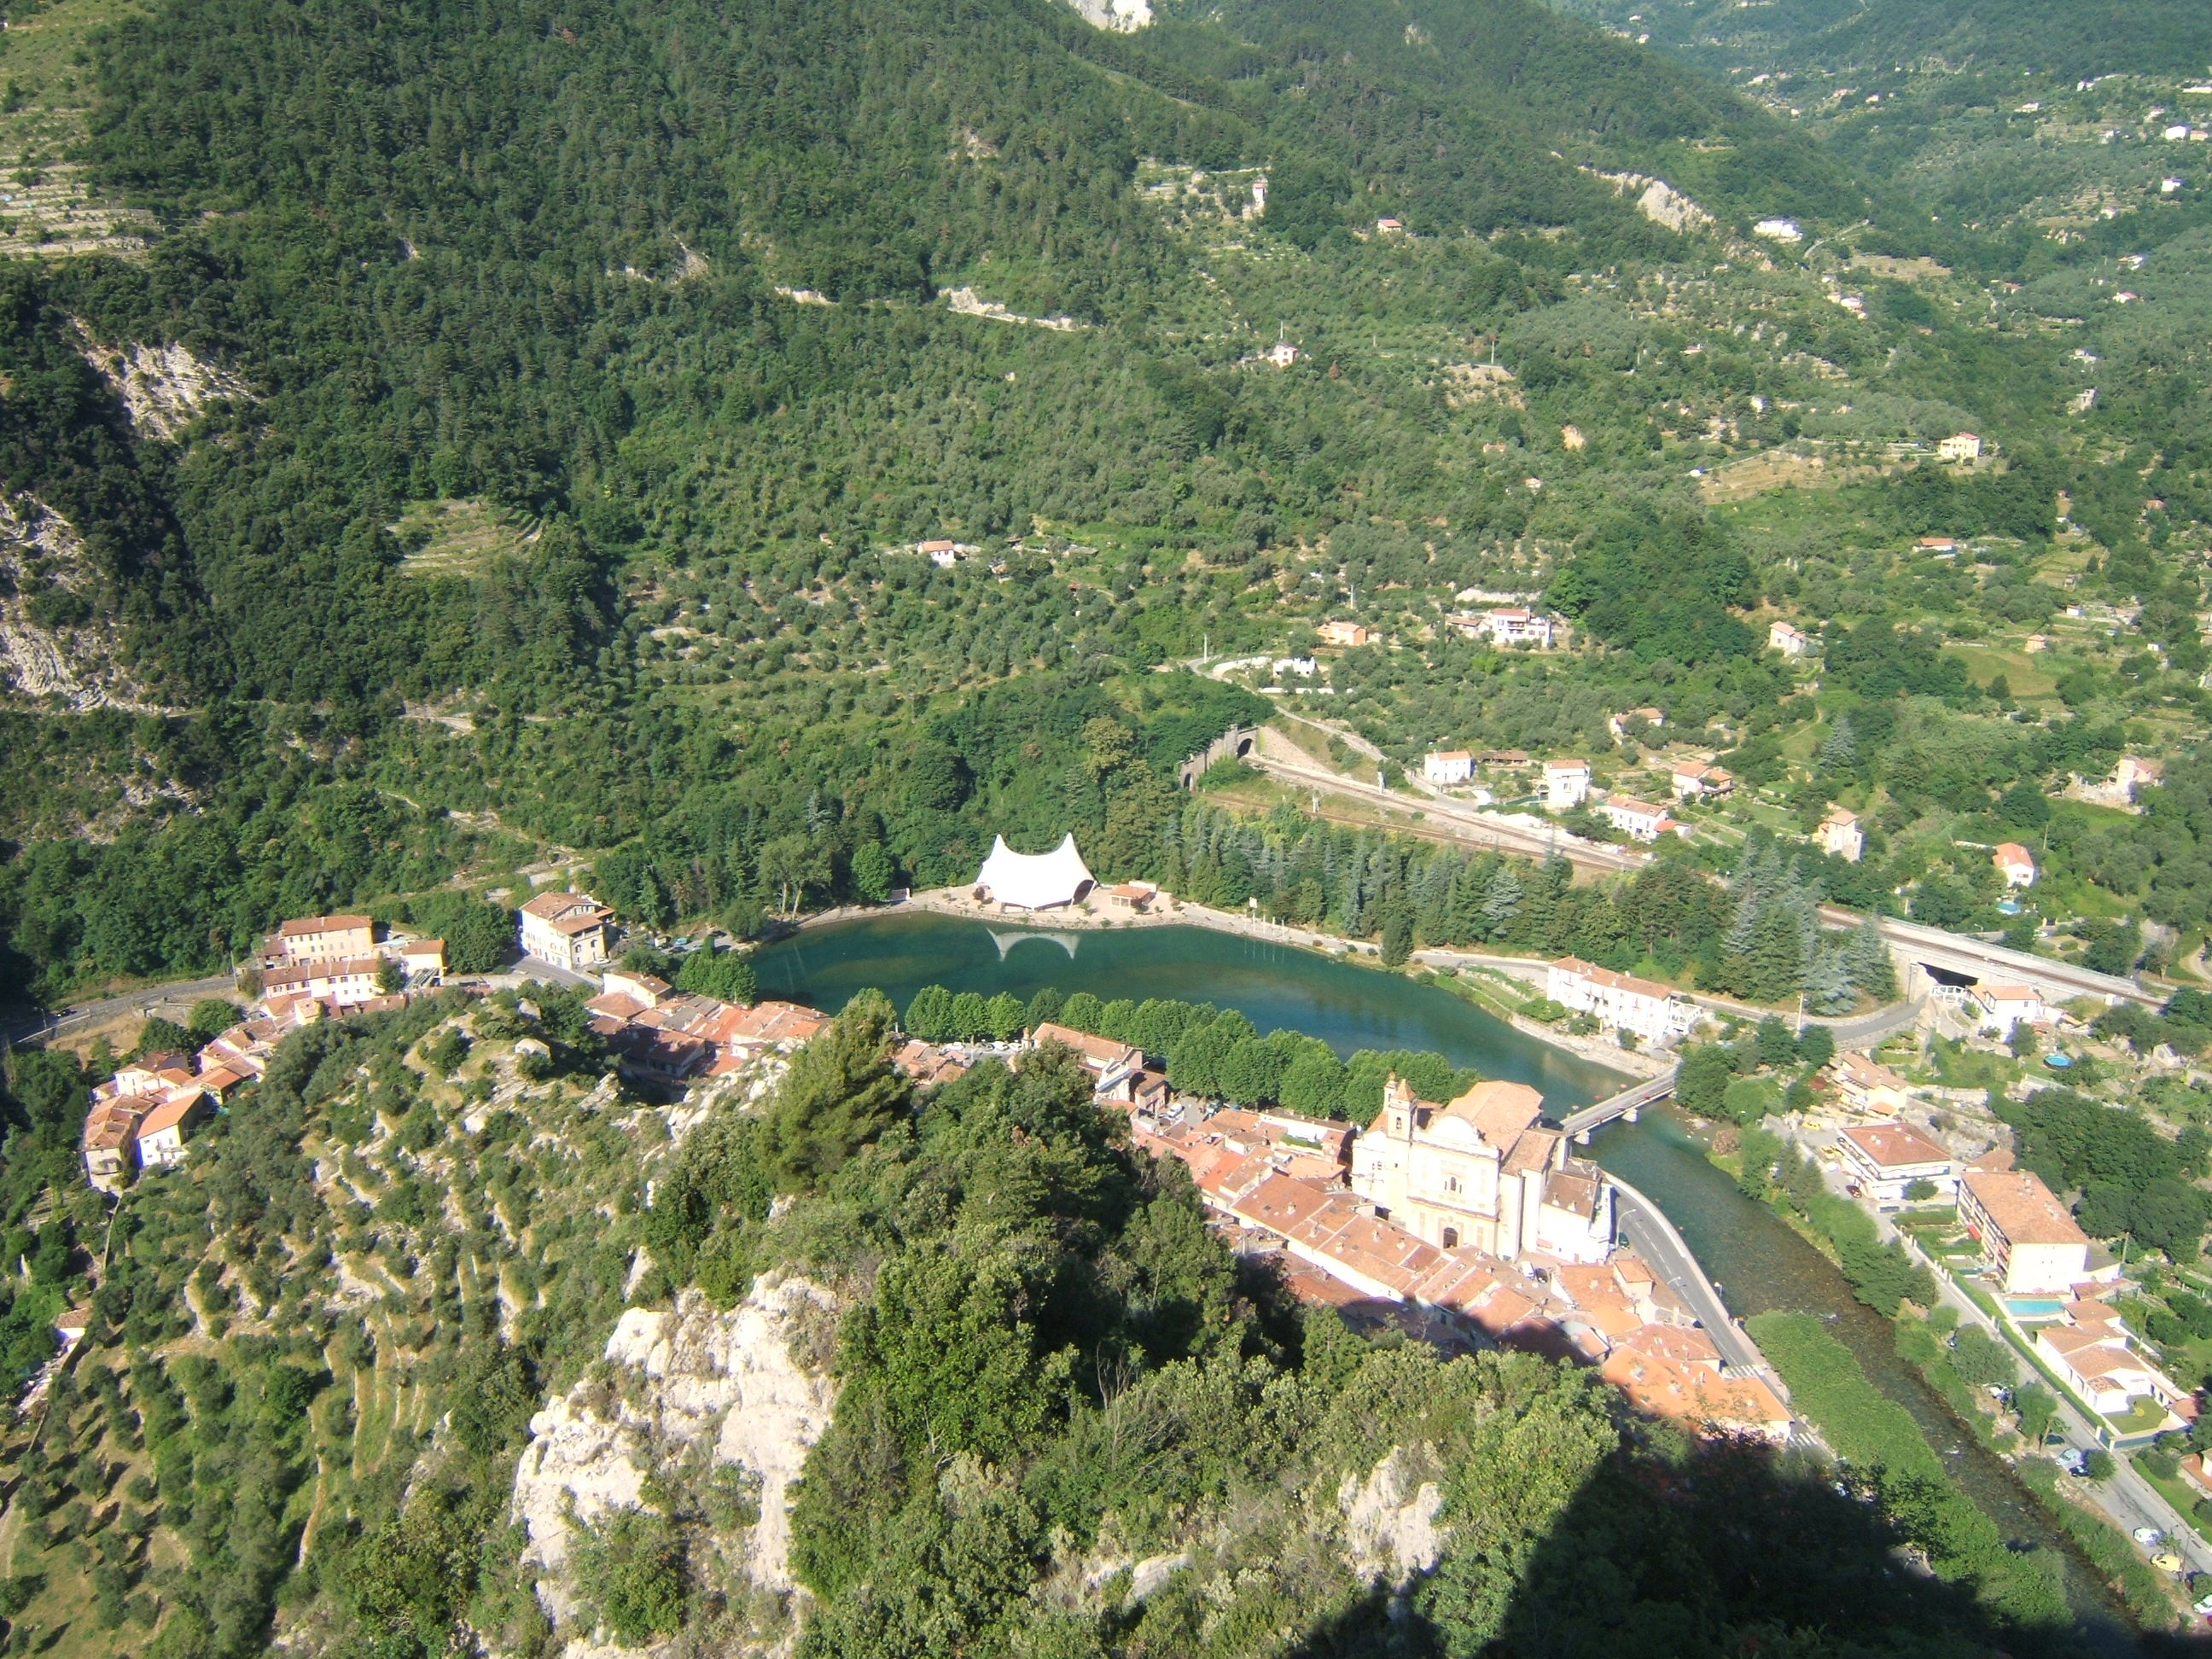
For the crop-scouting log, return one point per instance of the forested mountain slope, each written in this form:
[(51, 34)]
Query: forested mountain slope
[(532, 275), (509, 450), (548, 395)]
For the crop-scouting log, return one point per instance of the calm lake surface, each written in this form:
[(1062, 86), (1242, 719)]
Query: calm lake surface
[(1271, 985), (1758, 1261)]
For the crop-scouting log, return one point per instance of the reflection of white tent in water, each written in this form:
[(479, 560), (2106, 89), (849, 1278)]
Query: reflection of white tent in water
[(1033, 881)]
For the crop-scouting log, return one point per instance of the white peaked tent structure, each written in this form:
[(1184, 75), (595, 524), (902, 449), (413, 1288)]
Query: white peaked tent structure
[(1033, 881)]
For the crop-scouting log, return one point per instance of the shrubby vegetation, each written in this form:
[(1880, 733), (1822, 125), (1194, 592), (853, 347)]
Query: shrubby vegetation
[(1055, 1353), (1046, 1352)]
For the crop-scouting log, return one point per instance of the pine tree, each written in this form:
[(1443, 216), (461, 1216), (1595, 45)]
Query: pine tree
[(1397, 932), (1774, 967), (1872, 971), (1839, 750), (1829, 987), (1504, 901)]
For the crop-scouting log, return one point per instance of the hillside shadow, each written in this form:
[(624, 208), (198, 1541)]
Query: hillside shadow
[(1725, 1549)]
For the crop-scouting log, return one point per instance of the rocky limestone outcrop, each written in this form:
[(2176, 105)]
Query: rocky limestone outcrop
[(1123, 16), (1390, 1529), (1658, 201), (164, 387), (745, 1382), (57, 636)]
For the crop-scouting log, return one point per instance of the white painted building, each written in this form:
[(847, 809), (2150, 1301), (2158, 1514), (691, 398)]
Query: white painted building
[(1887, 1158), (163, 1130), (2027, 1235), (1639, 820), (1960, 446), (568, 930), (1516, 626), (1448, 766), (2000, 1008), (1788, 639), (345, 983), (1657, 1014), (1567, 784)]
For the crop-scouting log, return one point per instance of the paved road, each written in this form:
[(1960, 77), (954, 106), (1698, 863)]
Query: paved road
[(31, 1027), (2127, 1499), (1863, 1031), (1658, 1243)]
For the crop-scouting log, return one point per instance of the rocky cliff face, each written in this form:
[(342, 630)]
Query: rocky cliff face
[(1390, 1530), (164, 387), (687, 1387), (1123, 16), (59, 640)]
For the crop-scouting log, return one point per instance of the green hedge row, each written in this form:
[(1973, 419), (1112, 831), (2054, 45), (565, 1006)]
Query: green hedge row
[(1879, 1438)]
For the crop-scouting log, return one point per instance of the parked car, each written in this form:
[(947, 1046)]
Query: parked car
[(2147, 1536)]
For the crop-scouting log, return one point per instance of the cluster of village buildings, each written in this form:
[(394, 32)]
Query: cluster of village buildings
[(660, 1035), (2052, 1278), (311, 968), (1566, 784), (1468, 1223), (318, 967)]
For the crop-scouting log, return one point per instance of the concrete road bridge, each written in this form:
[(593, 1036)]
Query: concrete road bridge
[(1628, 1104)]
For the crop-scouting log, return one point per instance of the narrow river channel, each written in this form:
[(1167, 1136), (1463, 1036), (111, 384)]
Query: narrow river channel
[(1758, 1262), (1760, 1265)]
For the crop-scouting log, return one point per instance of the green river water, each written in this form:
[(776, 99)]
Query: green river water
[(1758, 1261)]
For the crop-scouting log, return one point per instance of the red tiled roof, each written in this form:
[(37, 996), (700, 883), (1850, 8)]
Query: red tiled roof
[(1612, 981), (111, 1127), (1894, 1145), (302, 926), (568, 912), (1498, 1110), (1097, 1051), (2023, 1207), (170, 1112)]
